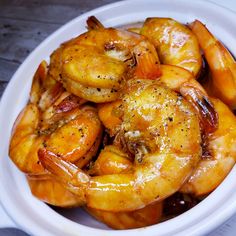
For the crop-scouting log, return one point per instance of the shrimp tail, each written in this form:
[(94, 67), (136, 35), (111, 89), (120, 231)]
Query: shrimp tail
[(71, 177), (148, 64), (63, 170), (93, 23), (208, 114), (52, 163)]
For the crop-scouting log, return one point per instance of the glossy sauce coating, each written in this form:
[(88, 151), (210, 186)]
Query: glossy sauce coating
[(175, 43)]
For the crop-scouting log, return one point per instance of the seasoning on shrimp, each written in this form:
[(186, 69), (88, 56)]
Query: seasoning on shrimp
[(163, 133), (53, 122), (95, 65), (160, 155)]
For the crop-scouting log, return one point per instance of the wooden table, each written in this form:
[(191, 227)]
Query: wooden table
[(26, 23)]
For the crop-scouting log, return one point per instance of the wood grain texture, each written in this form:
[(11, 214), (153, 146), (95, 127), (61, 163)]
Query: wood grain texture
[(48, 11), (8, 67), (24, 24), (18, 38)]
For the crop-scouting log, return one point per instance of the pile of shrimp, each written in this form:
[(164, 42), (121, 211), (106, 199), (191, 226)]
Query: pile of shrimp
[(117, 122)]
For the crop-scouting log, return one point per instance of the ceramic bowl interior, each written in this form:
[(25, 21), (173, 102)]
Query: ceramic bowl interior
[(36, 217)]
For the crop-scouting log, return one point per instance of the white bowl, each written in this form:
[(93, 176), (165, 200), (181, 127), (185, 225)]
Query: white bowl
[(36, 217)]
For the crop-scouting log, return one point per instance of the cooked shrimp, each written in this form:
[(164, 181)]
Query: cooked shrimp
[(66, 129), (111, 160), (70, 137), (23, 138), (180, 80), (38, 85), (95, 64), (175, 43), (92, 153), (154, 118), (74, 135), (49, 190), (24, 141), (146, 216), (111, 116), (221, 148), (222, 65)]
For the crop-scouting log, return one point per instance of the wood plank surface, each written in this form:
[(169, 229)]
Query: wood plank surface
[(48, 11), (19, 37)]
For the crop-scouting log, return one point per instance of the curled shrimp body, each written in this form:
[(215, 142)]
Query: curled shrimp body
[(222, 83), (52, 118), (175, 43), (95, 64), (177, 79), (221, 154), (46, 188), (162, 161), (112, 160)]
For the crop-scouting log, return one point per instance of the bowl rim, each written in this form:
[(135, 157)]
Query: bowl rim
[(223, 212)]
